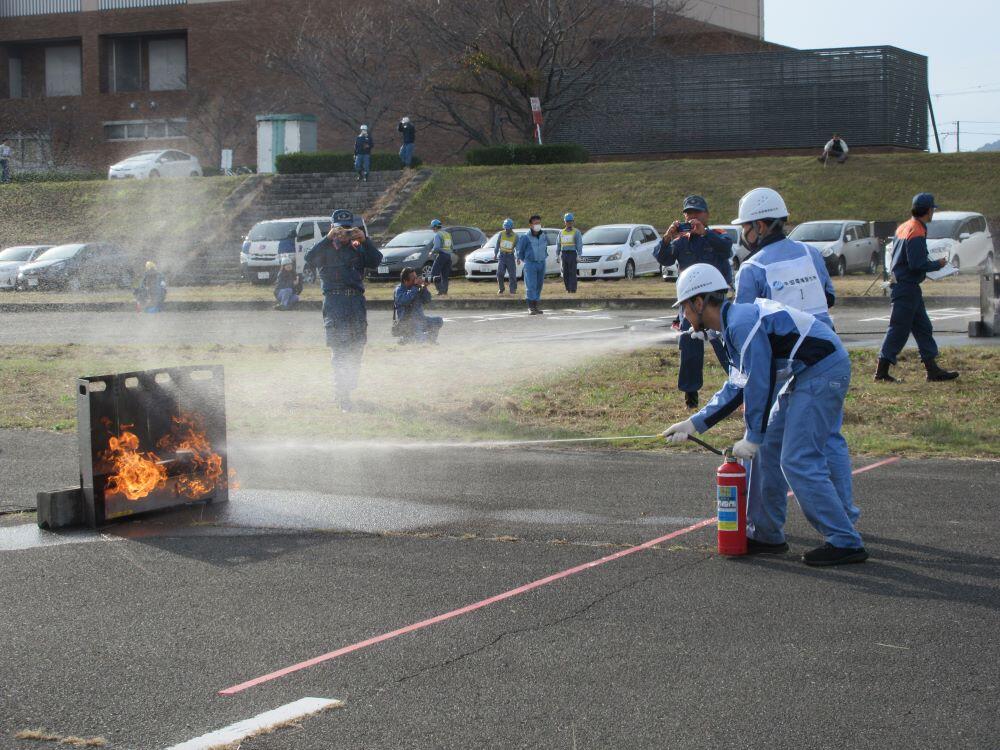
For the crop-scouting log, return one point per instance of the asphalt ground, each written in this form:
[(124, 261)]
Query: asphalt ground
[(858, 325), (131, 633)]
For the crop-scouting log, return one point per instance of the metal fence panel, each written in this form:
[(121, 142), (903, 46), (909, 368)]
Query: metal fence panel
[(872, 96), (113, 4), (12, 8)]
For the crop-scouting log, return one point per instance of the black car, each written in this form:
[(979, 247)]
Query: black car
[(77, 266), (413, 248)]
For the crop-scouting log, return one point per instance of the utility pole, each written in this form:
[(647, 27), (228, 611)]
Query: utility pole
[(930, 106), (958, 137)]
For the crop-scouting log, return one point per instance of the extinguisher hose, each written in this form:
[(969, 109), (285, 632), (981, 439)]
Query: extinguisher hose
[(706, 446)]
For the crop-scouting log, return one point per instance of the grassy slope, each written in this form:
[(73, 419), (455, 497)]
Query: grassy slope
[(633, 393), (876, 187), (146, 216)]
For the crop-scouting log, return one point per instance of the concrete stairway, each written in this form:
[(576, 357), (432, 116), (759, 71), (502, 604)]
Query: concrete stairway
[(281, 196)]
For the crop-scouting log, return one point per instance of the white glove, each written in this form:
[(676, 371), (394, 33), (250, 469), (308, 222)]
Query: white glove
[(745, 449), (697, 335), (678, 433)]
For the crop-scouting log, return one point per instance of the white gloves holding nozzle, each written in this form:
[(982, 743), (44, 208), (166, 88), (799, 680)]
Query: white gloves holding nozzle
[(678, 433), (744, 449)]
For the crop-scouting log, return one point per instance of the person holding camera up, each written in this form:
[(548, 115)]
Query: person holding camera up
[(341, 259), (409, 134), (363, 146), (410, 323), (686, 243)]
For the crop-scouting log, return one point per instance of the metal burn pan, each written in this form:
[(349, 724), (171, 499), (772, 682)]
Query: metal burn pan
[(151, 440)]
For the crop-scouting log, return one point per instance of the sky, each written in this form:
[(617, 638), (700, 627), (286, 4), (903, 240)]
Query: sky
[(961, 38)]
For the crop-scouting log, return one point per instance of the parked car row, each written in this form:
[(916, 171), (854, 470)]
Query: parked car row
[(71, 267)]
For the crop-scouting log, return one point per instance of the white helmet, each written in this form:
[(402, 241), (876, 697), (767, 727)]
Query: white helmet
[(405, 120), (761, 203), (364, 127), (701, 278)]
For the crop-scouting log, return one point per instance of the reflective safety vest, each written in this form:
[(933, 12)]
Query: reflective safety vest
[(567, 241), (795, 283), (445, 241), (507, 242)]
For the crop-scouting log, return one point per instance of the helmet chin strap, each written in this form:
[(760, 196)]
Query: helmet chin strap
[(756, 243)]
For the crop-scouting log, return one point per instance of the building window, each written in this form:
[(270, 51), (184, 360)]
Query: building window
[(15, 76), (144, 63), (125, 60), (144, 130), (167, 64), (62, 71)]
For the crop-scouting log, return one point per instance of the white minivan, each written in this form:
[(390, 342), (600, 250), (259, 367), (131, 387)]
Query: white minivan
[(260, 257)]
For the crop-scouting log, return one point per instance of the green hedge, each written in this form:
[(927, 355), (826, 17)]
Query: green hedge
[(56, 176), (556, 153), (332, 161)]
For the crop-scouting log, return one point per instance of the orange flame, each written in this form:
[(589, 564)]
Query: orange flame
[(136, 474)]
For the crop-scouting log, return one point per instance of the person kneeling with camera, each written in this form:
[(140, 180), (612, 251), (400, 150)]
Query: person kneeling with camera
[(409, 323)]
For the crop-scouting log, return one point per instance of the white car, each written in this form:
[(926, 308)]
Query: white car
[(481, 265), (961, 237), (618, 251), (846, 245), (11, 260), (740, 253), (152, 164), (260, 256)]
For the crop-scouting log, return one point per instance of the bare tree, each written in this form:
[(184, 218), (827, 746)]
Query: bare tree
[(346, 56), (226, 120), (492, 58)]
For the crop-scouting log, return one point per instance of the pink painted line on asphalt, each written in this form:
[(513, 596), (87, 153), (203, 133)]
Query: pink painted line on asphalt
[(869, 467), (485, 602)]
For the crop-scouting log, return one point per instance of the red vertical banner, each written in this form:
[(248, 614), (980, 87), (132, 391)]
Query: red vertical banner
[(536, 116)]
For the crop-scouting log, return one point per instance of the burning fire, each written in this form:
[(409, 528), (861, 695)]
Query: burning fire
[(197, 469)]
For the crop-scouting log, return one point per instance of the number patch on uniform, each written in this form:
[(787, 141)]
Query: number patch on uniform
[(727, 509)]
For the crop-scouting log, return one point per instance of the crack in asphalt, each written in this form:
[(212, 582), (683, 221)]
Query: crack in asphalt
[(545, 625)]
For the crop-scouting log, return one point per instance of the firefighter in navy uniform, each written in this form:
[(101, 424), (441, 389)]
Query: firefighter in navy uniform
[(699, 244), (910, 265), (341, 259)]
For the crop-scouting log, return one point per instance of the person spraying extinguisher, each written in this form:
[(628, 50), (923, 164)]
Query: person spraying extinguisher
[(769, 343)]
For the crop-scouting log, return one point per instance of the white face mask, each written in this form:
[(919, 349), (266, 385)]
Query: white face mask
[(536, 228)]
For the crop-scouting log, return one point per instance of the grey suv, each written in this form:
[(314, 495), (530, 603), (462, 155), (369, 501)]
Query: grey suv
[(413, 248)]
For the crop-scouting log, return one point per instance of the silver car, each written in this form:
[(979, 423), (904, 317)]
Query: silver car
[(11, 260), (846, 245)]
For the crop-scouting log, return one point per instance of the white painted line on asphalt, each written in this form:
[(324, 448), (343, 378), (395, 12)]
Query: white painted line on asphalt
[(259, 724), (944, 313)]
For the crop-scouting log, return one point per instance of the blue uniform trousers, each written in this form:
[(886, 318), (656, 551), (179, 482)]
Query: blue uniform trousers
[(569, 260), (346, 321), (689, 375), (803, 450), (908, 315), (363, 163), (406, 153), (534, 278), (441, 271), (507, 268)]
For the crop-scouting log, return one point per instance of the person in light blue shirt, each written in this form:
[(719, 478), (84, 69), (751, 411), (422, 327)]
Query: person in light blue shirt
[(532, 249), (768, 342)]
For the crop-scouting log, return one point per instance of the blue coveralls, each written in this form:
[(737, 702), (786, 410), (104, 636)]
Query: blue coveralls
[(341, 269), (569, 250), (769, 343), (715, 248), (506, 262), (795, 275), (409, 304), (441, 268), (909, 313), (532, 251), (363, 146)]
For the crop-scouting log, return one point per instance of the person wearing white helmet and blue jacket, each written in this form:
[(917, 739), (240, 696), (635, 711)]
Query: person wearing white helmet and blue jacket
[(568, 252), (363, 147), (503, 253), (766, 340), (795, 275)]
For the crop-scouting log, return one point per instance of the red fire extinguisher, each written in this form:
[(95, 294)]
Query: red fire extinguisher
[(731, 496)]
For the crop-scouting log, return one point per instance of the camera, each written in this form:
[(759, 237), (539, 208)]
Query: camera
[(429, 276), (684, 226)]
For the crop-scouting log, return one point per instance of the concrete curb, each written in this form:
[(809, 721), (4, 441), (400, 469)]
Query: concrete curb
[(638, 303)]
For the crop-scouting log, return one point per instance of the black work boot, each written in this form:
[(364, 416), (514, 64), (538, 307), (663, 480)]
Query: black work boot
[(882, 372), (936, 374), (532, 307), (830, 555), (764, 548), (691, 399)]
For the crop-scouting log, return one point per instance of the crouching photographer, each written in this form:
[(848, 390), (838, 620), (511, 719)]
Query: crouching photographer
[(409, 322)]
